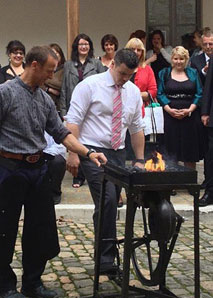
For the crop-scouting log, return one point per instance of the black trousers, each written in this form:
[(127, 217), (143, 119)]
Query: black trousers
[(57, 169), (26, 185), (209, 164), (93, 175)]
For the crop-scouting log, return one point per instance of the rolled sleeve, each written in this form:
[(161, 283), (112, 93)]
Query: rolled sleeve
[(80, 102)]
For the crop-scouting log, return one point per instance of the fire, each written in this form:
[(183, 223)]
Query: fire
[(156, 163)]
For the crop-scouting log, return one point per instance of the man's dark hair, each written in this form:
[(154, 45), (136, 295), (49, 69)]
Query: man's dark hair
[(138, 34), (109, 38), (75, 54), (13, 46), (39, 54), (128, 57)]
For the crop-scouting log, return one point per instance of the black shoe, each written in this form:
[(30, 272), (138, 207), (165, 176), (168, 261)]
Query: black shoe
[(203, 185), (206, 200), (39, 292), (12, 294), (109, 269), (112, 271)]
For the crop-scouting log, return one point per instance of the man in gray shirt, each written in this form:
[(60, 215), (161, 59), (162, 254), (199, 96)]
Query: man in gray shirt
[(25, 112)]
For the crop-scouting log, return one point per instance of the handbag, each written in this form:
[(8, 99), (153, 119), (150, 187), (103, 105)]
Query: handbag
[(154, 122), (154, 119)]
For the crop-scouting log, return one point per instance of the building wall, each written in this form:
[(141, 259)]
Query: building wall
[(33, 22), (37, 22), (119, 17), (206, 13), (44, 21)]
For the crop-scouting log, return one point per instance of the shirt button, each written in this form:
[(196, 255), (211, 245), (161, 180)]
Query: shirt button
[(3, 211), (3, 235)]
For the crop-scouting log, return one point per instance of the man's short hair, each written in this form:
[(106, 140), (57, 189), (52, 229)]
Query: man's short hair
[(128, 57), (39, 54)]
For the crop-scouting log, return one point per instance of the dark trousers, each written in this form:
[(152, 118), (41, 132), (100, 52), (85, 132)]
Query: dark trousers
[(93, 175), (57, 169), (26, 185), (209, 165)]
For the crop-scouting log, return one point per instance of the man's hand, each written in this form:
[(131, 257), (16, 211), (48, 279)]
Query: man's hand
[(73, 163), (98, 158), (205, 69), (205, 120)]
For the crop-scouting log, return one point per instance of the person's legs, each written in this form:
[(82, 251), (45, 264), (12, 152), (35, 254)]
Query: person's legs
[(93, 175), (79, 180), (40, 239), (12, 189), (207, 198), (57, 169)]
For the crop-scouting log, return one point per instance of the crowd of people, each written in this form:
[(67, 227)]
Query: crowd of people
[(93, 108)]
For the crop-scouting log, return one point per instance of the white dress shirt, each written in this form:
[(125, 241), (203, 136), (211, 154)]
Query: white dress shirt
[(92, 106), (53, 148), (207, 61)]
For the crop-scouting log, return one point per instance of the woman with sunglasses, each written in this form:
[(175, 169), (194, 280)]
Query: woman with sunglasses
[(16, 52)]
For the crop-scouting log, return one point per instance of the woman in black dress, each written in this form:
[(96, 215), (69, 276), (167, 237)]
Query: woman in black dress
[(180, 93)]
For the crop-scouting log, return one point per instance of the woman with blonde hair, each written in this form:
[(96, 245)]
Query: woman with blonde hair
[(144, 76), (180, 93)]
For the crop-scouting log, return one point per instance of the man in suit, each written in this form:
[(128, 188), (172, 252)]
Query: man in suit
[(200, 62), (207, 119)]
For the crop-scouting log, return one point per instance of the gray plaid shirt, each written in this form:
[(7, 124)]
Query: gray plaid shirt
[(24, 116)]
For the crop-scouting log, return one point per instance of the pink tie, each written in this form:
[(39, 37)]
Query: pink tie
[(116, 119)]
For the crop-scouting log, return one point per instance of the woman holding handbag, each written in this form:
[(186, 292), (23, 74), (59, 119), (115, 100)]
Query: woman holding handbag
[(144, 78), (180, 93)]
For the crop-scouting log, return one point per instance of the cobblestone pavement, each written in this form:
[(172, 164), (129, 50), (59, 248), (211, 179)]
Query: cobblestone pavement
[(71, 273)]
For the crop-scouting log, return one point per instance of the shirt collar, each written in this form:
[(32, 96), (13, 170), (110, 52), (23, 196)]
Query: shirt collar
[(25, 85), (207, 57), (110, 81)]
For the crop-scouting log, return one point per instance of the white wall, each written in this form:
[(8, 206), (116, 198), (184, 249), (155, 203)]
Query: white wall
[(33, 22), (44, 21), (37, 22), (119, 17), (207, 8)]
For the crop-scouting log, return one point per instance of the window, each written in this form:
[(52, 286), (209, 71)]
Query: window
[(174, 18)]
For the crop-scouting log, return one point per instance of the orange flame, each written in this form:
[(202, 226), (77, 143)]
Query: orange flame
[(155, 164)]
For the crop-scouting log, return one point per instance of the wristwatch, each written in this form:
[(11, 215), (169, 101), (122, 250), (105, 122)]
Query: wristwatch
[(90, 151)]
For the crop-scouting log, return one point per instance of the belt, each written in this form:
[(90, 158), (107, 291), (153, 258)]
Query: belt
[(31, 158)]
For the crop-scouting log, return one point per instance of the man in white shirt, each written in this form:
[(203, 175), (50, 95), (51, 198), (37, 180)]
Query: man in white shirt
[(90, 119)]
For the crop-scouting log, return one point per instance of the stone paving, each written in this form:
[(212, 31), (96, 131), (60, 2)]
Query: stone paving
[(71, 273)]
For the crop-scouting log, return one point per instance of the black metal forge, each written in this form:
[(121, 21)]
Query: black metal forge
[(149, 190)]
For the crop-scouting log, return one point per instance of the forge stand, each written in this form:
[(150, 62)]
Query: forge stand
[(133, 191)]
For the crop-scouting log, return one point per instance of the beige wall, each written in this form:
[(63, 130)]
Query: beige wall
[(206, 14), (119, 17), (33, 22), (44, 21)]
